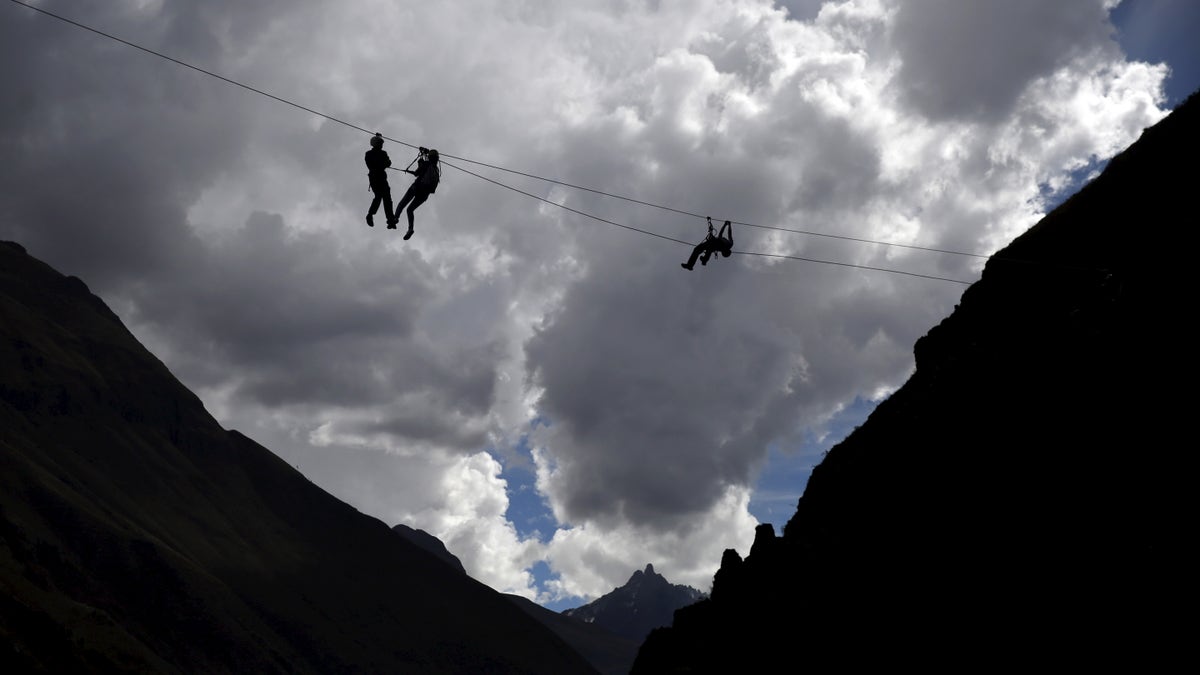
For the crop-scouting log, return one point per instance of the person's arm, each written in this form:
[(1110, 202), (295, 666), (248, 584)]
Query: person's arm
[(728, 226)]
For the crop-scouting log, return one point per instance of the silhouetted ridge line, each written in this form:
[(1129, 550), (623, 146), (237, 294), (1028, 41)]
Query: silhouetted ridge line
[(530, 175)]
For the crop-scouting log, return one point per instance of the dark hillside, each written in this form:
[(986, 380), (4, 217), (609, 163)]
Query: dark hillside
[(1022, 498), (138, 535), (608, 652)]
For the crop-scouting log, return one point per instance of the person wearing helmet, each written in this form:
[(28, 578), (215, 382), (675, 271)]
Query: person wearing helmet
[(428, 173), (377, 164), (711, 244)]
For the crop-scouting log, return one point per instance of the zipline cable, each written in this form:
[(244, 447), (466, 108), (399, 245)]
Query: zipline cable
[(549, 180), (660, 236), (702, 217), (198, 69), (564, 206)]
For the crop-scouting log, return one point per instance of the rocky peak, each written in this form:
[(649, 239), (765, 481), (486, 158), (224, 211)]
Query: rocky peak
[(647, 601)]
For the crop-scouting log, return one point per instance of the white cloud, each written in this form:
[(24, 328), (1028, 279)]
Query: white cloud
[(229, 226), (589, 559), (468, 515)]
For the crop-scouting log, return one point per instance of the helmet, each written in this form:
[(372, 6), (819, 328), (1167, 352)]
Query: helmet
[(433, 155), (377, 140)]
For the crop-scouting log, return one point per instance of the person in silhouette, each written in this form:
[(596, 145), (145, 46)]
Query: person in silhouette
[(377, 164), (711, 244), (427, 173)]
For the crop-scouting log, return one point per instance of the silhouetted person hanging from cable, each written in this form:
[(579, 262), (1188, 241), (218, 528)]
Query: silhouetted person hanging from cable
[(377, 164), (427, 173), (711, 244)]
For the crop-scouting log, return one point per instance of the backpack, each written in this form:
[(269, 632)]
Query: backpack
[(430, 176)]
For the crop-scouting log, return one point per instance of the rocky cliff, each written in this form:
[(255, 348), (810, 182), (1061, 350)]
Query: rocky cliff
[(1022, 498)]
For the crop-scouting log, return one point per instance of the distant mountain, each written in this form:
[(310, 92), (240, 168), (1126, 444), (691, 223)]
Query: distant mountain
[(137, 535), (1026, 499), (647, 601)]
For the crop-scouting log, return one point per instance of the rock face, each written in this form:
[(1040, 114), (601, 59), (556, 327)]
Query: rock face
[(647, 601), (430, 543), (1021, 499), (137, 535)]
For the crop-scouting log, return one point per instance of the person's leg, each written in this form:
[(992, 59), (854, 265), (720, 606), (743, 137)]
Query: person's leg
[(417, 200), (695, 254), (371, 211), (387, 208), (408, 197)]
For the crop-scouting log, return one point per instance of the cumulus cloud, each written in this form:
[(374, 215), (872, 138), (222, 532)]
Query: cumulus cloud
[(508, 335), (976, 58)]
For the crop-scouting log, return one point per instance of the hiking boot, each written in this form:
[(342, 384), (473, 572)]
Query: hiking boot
[(391, 226), (408, 234), (686, 266), (370, 221)]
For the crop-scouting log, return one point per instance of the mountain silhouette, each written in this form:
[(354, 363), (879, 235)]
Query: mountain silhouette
[(137, 535), (430, 543), (609, 645), (1024, 499), (647, 601)]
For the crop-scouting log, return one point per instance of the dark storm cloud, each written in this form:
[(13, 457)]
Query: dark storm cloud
[(105, 145), (259, 296), (801, 10), (427, 423), (974, 58), (279, 314), (841, 168)]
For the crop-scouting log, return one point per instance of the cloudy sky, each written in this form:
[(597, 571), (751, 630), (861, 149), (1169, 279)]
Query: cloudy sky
[(544, 388)]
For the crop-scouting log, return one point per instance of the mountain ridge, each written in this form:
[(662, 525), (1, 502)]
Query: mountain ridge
[(139, 535), (607, 631)]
